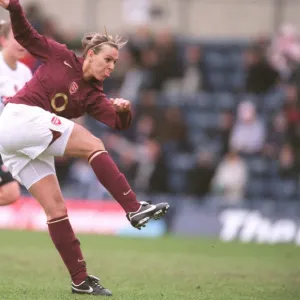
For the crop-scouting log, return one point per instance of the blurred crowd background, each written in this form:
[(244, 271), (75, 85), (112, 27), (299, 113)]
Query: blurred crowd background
[(216, 118)]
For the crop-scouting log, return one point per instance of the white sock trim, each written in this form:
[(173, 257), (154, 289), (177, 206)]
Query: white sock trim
[(137, 210), (78, 284), (56, 221), (96, 154)]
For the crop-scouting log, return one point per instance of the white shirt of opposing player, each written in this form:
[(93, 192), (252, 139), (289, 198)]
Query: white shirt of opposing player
[(12, 80)]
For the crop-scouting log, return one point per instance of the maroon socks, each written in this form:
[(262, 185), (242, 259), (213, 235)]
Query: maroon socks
[(68, 247), (113, 180), (60, 229)]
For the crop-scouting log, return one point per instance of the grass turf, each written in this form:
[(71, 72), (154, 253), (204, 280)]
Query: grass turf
[(146, 269)]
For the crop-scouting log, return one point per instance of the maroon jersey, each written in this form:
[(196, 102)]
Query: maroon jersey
[(58, 85)]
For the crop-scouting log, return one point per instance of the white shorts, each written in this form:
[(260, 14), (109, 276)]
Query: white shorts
[(25, 136)]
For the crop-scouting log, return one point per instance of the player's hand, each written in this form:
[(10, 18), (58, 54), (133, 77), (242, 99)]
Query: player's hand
[(4, 3), (120, 104)]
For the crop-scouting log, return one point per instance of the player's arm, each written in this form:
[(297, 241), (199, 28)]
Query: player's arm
[(36, 44), (115, 113)]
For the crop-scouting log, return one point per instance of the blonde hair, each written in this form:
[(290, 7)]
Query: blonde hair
[(94, 41)]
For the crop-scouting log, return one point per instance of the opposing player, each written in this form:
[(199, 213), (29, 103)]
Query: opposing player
[(13, 76), (9, 187), (35, 127)]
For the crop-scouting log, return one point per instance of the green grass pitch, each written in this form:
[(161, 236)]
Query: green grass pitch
[(151, 269)]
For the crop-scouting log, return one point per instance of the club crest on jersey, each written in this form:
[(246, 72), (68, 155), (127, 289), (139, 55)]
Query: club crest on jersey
[(55, 121), (73, 87)]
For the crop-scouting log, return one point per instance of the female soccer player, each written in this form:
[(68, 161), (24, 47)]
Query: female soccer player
[(35, 127), (13, 76)]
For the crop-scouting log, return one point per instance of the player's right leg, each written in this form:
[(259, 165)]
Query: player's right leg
[(40, 180), (82, 143), (35, 129)]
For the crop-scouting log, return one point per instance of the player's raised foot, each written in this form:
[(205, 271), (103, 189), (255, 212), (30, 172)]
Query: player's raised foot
[(147, 212), (91, 286)]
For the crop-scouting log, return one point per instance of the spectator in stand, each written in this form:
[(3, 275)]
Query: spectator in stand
[(150, 63), (169, 67), (276, 136), (139, 41), (151, 175), (158, 182), (141, 75), (145, 129), (192, 81), (148, 154), (155, 61), (292, 110), (260, 75), (285, 50), (129, 166), (224, 131), (287, 164), (231, 178), (125, 63), (147, 105), (248, 134), (200, 177), (292, 113), (146, 161), (295, 76), (173, 130)]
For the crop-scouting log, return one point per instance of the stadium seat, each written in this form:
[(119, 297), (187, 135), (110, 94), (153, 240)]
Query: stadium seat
[(224, 101), (215, 60), (197, 138), (203, 120), (273, 101), (285, 189), (255, 188), (258, 167), (217, 81), (180, 162), (236, 80), (177, 182), (203, 101)]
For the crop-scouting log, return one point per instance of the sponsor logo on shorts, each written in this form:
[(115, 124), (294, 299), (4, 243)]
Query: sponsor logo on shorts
[(73, 87), (55, 121)]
